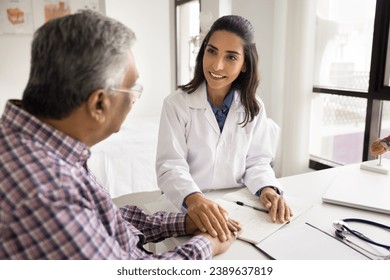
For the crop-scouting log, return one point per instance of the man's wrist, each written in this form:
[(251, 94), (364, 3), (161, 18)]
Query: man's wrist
[(189, 225)]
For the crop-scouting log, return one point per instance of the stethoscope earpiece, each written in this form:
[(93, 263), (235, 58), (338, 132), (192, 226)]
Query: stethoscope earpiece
[(340, 225)]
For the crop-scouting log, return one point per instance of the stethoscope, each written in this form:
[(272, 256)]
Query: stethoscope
[(342, 228)]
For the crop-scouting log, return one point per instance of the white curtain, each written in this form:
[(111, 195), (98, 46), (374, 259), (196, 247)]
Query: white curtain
[(294, 26)]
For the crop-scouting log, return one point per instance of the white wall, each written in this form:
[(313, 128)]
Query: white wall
[(261, 18), (14, 66), (151, 22)]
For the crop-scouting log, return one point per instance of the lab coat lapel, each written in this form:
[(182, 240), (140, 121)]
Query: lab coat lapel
[(209, 115), (198, 100), (235, 112)]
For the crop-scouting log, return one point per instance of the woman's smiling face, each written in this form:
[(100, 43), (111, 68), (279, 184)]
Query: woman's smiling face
[(223, 61)]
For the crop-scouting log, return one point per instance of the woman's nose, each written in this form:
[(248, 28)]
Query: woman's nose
[(218, 64)]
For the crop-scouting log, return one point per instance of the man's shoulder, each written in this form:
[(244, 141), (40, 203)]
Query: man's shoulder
[(29, 167)]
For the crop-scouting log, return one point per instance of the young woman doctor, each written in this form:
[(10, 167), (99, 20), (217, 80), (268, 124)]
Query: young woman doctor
[(213, 132)]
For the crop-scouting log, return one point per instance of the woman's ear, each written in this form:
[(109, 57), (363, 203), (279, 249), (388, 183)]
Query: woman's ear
[(97, 105), (243, 68)]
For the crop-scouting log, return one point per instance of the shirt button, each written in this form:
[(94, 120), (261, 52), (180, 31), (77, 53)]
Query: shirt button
[(84, 152)]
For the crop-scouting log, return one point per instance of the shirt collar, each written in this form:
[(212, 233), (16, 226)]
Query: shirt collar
[(198, 99), (227, 102), (64, 146)]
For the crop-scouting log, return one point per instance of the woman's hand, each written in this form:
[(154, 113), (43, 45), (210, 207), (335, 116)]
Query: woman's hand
[(276, 205), (209, 217)]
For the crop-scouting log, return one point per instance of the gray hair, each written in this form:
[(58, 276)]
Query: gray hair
[(71, 57)]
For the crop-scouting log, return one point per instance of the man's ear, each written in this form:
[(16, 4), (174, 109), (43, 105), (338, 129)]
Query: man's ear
[(97, 105)]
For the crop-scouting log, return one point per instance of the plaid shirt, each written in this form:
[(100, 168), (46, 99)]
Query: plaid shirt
[(51, 206)]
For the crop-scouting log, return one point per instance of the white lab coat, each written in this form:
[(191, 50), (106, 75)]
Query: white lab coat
[(194, 156)]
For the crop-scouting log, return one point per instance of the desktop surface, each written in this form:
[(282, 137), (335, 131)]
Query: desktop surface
[(309, 188)]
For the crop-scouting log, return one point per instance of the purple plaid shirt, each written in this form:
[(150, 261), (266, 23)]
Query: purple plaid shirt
[(51, 206)]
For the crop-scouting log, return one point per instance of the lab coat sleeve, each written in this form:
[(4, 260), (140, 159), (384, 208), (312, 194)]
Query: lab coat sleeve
[(259, 172), (173, 175)]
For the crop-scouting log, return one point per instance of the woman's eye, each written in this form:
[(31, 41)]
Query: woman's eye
[(232, 57), (211, 51)]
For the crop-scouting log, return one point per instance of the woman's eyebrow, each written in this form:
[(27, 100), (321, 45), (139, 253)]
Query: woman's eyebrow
[(228, 51), (212, 46), (234, 52)]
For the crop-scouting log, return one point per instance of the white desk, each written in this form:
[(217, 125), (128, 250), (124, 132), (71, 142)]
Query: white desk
[(309, 187)]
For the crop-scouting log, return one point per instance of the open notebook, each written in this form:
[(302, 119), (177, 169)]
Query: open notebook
[(360, 189), (256, 225)]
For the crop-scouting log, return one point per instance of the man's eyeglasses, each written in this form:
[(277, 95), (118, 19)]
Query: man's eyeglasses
[(135, 91)]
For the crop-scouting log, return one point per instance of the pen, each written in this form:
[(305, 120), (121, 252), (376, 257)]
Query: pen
[(254, 207)]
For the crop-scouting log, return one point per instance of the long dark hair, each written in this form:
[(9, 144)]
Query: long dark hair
[(248, 81)]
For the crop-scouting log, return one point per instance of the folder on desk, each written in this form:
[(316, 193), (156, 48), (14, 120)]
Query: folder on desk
[(360, 189), (305, 242)]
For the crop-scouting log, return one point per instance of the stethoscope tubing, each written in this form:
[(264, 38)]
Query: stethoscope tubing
[(341, 225)]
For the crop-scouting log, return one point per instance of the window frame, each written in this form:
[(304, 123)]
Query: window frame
[(377, 90), (177, 4)]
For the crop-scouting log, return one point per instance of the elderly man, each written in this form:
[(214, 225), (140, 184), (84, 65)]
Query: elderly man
[(81, 87)]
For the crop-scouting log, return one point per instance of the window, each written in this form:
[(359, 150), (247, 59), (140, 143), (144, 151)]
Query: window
[(187, 39), (351, 85)]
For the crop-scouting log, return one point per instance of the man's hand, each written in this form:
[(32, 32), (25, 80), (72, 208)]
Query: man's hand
[(276, 205), (191, 227), (217, 246)]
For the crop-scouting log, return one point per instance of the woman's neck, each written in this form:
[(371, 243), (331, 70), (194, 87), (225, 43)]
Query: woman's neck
[(216, 96)]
